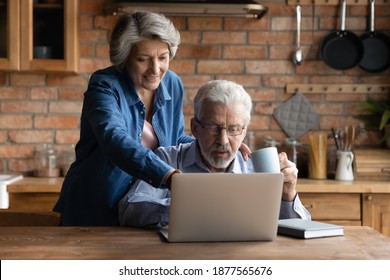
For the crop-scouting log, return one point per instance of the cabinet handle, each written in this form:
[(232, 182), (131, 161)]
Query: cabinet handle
[(385, 170), (369, 197)]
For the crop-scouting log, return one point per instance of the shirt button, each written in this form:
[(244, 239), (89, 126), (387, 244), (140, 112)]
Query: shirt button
[(142, 112), (140, 135)]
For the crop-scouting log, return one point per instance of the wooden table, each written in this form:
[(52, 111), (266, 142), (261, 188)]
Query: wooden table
[(115, 243)]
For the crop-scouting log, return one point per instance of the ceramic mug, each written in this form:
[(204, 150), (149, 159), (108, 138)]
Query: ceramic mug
[(266, 160), (344, 171)]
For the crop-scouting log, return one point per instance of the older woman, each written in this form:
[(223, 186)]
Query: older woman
[(129, 109)]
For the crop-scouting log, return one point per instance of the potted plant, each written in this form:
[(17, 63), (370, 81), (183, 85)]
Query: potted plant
[(378, 117)]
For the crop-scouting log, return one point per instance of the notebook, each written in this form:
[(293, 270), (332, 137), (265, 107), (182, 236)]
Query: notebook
[(224, 207), (308, 229)]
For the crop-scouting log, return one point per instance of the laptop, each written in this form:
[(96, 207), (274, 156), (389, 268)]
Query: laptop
[(224, 207)]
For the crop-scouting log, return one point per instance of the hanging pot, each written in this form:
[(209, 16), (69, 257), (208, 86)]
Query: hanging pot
[(342, 49), (376, 45)]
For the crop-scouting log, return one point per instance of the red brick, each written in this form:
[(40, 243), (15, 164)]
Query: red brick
[(189, 37), (31, 136), (16, 151), (245, 24), (13, 93), (269, 67), (56, 121), (105, 22), (244, 52), (103, 51), (65, 107), (223, 37), (197, 51), (45, 93), (182, 66), (67, 136), (94, 36), (92, 6), (87, 49), (274, 38), (65, 80), (14, 121), (72, 93), (24, 107), (3, 78), (19, 79), (202, 23), (88, 65), (85, 22), (220, 66)]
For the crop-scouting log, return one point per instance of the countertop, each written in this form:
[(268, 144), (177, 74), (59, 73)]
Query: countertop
[(53, 185)]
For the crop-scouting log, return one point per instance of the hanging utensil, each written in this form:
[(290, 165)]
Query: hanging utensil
[(376, 56), (298, 54), (342, 49)]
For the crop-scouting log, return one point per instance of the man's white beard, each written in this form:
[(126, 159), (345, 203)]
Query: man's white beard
[(218, 162)]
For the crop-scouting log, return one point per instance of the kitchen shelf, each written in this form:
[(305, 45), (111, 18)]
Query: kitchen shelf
[(341, 88), (337, 2)]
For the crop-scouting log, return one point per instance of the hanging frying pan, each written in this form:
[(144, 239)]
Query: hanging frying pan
[(342, 49), (376, 45)]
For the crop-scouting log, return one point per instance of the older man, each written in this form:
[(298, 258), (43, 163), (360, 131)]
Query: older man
[(221, 117)]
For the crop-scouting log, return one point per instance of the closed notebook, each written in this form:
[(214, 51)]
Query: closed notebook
[(308, 229)]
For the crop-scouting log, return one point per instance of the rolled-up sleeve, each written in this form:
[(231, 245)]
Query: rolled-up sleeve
[(144, 206), (293, 209)]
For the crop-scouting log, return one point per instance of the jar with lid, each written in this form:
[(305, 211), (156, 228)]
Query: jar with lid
[(296, 153), (269, 141), (46, 161), (67, 158)]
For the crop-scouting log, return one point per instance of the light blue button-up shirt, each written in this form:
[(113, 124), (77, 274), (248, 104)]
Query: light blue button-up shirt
[(146, 206)]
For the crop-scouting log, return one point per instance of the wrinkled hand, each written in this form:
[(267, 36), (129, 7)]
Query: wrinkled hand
[(245, 151), (290, 172)]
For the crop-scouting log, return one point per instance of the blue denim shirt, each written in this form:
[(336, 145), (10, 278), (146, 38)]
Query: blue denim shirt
[(109, 153)]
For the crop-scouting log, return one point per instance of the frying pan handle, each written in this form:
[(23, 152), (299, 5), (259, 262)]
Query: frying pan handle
[(343, 9), (372, 10)]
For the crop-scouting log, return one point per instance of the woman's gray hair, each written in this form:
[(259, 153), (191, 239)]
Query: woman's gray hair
[(137, 26), (222, 92)]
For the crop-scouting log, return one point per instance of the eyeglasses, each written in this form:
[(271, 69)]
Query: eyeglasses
[(231, 130)]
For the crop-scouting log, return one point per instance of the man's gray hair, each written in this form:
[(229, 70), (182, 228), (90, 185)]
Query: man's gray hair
[(222, 92), (134, 27)]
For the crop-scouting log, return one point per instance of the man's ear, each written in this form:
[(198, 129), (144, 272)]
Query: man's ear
[(194, 127)]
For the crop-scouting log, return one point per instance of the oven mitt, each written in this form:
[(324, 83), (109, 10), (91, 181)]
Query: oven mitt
[(296, 115)]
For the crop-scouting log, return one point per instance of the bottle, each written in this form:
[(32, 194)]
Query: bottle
[(46, 161)]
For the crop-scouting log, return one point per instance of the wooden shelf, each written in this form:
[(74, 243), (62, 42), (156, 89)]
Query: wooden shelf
[(342, 88), (337, 2)]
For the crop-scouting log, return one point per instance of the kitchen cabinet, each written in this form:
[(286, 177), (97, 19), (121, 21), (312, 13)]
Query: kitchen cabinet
[(342, 209), (39, 35), (376, 212)]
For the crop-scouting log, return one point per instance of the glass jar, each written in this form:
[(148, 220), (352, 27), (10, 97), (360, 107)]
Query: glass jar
[(269, 141), (46, 161), (67, 158), (291, 148)]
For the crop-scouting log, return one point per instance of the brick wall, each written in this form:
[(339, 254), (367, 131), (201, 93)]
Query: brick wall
[(45, 108)]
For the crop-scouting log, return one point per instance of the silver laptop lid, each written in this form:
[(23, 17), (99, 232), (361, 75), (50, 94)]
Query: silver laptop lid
[(224, 207)]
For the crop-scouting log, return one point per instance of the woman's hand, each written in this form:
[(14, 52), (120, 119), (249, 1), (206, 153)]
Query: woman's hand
[(245, 151)]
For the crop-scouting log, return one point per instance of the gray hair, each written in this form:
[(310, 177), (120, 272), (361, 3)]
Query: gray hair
[(134, 27), (222, 92)]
